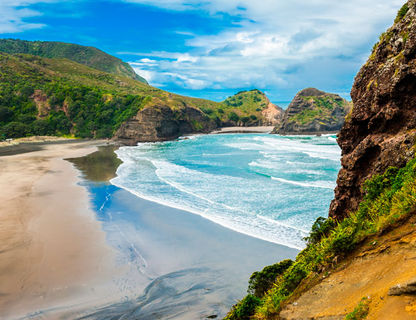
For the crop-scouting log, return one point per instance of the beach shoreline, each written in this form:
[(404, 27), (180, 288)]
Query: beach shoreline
[(256, 129), (52, 249), (73, 245)]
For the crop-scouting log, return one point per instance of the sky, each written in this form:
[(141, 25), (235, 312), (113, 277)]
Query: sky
[(215, 48)]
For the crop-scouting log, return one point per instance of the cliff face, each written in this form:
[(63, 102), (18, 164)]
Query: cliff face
[(272, 115), (160, 123), (314, 111), (380, 130)]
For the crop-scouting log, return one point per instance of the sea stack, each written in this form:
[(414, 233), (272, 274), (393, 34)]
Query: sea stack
[(312, 112)]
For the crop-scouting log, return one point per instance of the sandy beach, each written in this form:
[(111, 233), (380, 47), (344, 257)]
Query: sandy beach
[(260, 129), (52, 249), (74, 246)]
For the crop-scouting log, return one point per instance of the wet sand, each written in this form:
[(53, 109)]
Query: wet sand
[(82, 248), (52, 249)]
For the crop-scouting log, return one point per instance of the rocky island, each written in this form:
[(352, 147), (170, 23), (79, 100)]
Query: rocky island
[(313, 111)]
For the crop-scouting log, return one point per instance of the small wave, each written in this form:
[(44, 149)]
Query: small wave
[(230, 193), (281, 224), (321, 184)]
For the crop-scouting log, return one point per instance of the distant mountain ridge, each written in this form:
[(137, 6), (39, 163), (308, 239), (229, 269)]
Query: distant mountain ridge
[(89, 56)]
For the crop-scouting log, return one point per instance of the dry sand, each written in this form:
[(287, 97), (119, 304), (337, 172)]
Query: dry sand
[(244, 130), (52, 249)]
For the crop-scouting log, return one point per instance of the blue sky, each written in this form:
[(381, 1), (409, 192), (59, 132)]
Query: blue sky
[(214, 48)]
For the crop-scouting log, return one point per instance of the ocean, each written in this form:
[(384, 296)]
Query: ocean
[(266, 186)]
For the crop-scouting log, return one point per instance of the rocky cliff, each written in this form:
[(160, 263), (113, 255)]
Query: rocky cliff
[(314, 111), (380, 130), (158, 122)]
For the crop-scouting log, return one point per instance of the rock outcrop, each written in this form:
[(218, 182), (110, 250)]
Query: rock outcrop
[(314, 111), (250, 108), (380, 131), (161, 123), (272, 115)]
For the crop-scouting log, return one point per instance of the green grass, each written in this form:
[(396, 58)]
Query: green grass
[(389, 198), (361, 310), (402, 12)]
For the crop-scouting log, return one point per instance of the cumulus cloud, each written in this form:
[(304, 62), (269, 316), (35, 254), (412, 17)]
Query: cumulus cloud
[(13, 15), (274, 43)]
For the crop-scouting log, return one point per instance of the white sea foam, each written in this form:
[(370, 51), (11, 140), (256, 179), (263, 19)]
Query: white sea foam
[(317, 184), (221, 187)]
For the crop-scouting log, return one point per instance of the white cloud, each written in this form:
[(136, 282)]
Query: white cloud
[(275, 41), (13, 15)]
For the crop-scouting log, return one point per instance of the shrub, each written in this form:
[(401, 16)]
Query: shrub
[(402, 12), (244, 309), (320, 229), (245, 119), (262, 281), (5, 114), (233, 117), (361, 311), (207, 111), (15, 130)]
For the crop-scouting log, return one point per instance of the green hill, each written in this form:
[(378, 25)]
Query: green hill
[(42, 96), (88, 56), (248, 108), (94, 95), (314, 111)]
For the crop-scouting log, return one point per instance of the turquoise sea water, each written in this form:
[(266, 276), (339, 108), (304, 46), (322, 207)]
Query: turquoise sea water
[(266, 186)]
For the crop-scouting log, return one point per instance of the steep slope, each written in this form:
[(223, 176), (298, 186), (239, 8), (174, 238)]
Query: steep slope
[(314, 111), (249, 108), (360, 262), (89, 56), (41, 96), (380, 130)]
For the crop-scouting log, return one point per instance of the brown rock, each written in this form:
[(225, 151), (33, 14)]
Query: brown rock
[(313, 111), (380, 131), (403, 289), (161, 123)]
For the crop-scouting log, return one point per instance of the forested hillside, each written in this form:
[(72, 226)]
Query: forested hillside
[(41, 96), (89, 56)]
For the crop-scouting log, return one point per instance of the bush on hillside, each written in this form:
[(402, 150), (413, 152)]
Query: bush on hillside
[(262, 281)]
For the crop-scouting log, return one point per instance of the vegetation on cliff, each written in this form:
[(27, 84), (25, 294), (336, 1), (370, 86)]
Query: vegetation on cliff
[(89, 56), (380, 131), (389, 199), (248, 108)]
